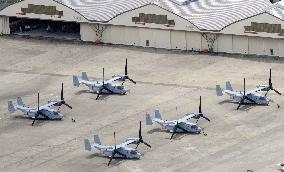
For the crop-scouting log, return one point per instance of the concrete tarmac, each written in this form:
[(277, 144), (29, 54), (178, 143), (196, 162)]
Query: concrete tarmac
[(248, 139)]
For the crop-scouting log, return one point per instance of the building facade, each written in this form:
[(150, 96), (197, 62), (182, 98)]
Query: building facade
[(242, 27)]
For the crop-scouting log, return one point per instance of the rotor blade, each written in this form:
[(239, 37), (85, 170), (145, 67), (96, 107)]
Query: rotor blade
[(200, 111), (34, 119), (67, 105), (62, 98), (145, 143), (174, 130), (270, 83), (99, 93), (246, 97), (116, 151), (125, 69), (137, 145), (113, 153), (108, 89), (244, 86), (205, 117), (134, 82), (42, 114), (267, 92), (37, 101), (140, 134), (114, 140), (103, 76), (184, 130), (276, 91), (240, 103)]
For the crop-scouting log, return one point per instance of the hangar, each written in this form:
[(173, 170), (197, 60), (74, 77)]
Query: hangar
[(232, 26)]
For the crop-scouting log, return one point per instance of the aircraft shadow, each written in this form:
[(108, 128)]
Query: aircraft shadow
[(176, 136), (83, 92), (114, 162), (38, 122), (156, 130), (227, 102)]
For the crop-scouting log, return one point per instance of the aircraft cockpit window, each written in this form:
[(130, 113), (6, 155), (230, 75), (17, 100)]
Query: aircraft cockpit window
[(194, 127), (120, 87), (133, 152)]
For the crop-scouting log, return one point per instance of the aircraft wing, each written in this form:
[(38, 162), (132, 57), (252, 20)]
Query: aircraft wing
[(132, 141), (114, 79), (47, 106), (187, 117), (259, 88)]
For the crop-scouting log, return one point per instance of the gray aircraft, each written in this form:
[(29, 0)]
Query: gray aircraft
[(248, 97), (117, 151), (181, 125), (104, 86), (40, 112)]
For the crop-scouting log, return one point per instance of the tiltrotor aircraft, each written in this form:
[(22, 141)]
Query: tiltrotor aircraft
[(40, 112), (104, 86), (248, 97), (117, 151), (181, 125)]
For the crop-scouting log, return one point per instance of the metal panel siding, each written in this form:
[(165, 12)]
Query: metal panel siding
[(178, 40), (162, 38), (271, 44), (132, 36), (256, 45), (146, 35), (118, 35), (87, 33), (193, 40), (240, 44), (225, 43), (281, 47)]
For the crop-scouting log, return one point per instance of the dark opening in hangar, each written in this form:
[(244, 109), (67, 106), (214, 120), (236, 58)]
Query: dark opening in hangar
[(45, 28)]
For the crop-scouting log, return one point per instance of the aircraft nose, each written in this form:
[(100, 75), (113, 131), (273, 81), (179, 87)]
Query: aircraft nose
[(199, 129), (60, 116)]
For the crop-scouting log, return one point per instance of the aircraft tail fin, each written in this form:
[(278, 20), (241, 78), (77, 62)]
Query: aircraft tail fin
[(76, 81), (88, 146), (229, 86), (85, 76), (158, 114), (97, 140), (219, 90), (20, 102), (11, 107), (148, 120)]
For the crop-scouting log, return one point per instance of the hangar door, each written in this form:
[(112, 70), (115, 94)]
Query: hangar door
[(240, 44), (45, 28), (256, 45)]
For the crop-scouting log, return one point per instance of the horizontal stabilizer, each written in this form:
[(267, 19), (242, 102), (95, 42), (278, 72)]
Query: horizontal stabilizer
[(11, 107), (148, 120), (88, 146), (219, 90)]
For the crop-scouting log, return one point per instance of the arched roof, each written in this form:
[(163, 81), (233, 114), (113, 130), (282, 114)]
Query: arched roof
[(204, 14)]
